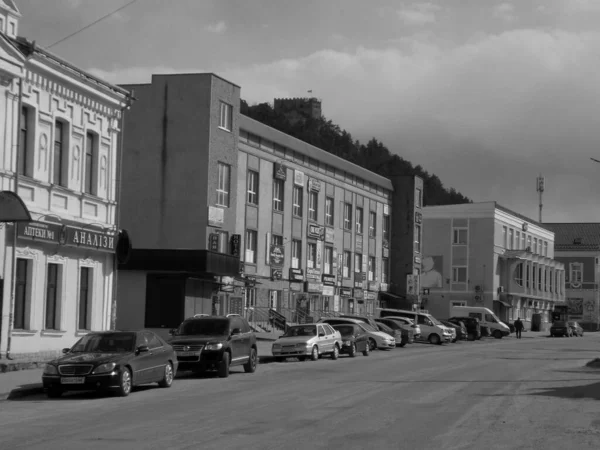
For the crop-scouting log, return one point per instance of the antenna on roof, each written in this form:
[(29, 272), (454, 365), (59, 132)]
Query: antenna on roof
[(540, 189)]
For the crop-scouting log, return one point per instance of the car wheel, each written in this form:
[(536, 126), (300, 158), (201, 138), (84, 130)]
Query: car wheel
[(250, 366), (54, 392), (435, 339), (335, 354), (352, 352), (125, 383), (224, 366), (372, 344), (367, 350), (314, 354), (498, 334), (168, 376)]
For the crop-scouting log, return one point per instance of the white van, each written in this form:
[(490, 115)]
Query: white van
[(486, 317), (432, 330)]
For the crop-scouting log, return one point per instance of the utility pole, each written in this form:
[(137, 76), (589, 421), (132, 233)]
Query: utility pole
[(540, 189)]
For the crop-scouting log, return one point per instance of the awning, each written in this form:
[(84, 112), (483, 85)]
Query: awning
[(506, 305), (12, 208), (186, 261)]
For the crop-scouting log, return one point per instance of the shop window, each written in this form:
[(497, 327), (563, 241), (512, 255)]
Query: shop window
[(53, 276), (22, 290), (85, 298)]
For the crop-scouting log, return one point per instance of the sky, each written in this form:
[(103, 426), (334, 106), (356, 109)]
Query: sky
[(485, 94)]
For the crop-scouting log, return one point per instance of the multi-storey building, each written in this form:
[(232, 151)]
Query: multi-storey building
[(482, 254), (577, 246), (58, 153), (229, 215)]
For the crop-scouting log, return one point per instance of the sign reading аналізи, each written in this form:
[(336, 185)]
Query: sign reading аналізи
[(67, 235)]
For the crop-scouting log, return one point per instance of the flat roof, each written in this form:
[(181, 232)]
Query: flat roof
[(285, 140)]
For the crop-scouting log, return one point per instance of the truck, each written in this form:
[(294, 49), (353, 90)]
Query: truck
[(486, 317)]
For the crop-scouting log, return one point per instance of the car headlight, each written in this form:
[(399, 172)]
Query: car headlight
[(347, 342), (103, 368), (276, 345), (302, 345), (50, 370), (218, 346)]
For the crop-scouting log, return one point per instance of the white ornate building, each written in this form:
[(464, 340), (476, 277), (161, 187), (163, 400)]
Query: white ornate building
[(59, 137)]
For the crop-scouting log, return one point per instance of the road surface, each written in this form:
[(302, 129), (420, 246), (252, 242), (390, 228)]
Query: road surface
[(499, 394)]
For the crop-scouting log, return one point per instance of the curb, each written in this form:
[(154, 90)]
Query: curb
[(14, 367), (22, 392)]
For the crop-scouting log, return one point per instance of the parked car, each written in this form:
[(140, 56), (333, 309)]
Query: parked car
[(395, 332), (432, 330), (111, 360), (354, 339), (576, 329), (407, 333), (309, 340), (560, 328), (365, 319), (460, 327), (472, 324), (215, 343), (377, 339), (406, 324)]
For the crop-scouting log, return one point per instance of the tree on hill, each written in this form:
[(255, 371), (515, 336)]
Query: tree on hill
[(373, 156)]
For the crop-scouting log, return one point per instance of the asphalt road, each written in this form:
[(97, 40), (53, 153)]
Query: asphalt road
[(495, 394)]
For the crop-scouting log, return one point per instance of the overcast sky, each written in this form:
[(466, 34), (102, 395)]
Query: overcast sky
[(485, 94)]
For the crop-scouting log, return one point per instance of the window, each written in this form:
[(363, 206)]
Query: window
[(417, 238), (250, 297), (296, 254), (278, 188), (357, 263), (519, 274), (311, 257), (517, 240), (21, 294), (535, 246), (251, 246), (313, 201), (223, 184), (88, 179), (540, 279), (386, 227), (523, 241), (252, 187), (329, 211), (297, 201), (576, 272), (459, 236), (359, 220), (511, 238), (346, 265), (226, 116), (276, 240), (385, 264), (545, 248), (328, 261), (529, 243), (59, 175), (418, 198), (24, 143), (372, 223), (505, 237), (459, 274), (371, 271), (52, 298), (85, 281), (347, 216)]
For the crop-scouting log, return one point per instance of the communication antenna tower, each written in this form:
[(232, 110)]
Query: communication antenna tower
[(541, 181)]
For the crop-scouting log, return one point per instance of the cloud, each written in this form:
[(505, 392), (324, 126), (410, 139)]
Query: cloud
[(418, 14), (581, 6), (485, 116), (74, 3), (218, 28), (504, 11)]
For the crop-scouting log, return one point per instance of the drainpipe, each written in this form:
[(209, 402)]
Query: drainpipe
[(13, 277)]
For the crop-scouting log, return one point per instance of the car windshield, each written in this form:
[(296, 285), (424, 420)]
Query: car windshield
[(383, 327), (367, 327), (559, 323), (105, 343), (300, 331), (345, 330), (204, 327), (392, 324), (434, 320)]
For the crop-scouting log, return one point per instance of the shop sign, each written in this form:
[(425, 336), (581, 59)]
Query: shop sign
[(373, 286), (358, 284), (276, 255), (298, 178), (359, 293), (216, 216), (371, 296), (314, 287), (328, 291), (296, 287), (319, 255), (329, 235), (411, 285), (417, 260), (96, 240), (346, 292), (328, 280), (383, 287), (313, 274), (314, 185), (418, 217), (315, 231), (276, 274), (296, 275), (41, 231), (279, 171), (235, 244), (386, 252), (213, 242), (359, 244)]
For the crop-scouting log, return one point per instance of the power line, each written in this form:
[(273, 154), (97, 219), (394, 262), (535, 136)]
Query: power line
[(91, 24)]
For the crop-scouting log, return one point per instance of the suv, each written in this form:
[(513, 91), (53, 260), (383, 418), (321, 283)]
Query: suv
[(472, 324), (215, 343)]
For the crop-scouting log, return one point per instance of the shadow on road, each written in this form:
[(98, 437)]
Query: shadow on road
[(591, 391)]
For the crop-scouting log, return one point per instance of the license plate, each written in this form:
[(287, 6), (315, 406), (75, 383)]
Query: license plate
[(72, 380), (188, 353)]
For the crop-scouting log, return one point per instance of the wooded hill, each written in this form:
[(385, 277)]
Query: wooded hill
[(374, 156)]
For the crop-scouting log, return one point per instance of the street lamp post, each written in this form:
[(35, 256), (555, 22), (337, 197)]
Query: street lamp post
[(596, 296)]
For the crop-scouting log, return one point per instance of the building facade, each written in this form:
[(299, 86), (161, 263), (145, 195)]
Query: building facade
[(482, 254), (58, 152), (577, 246), (273, 223)]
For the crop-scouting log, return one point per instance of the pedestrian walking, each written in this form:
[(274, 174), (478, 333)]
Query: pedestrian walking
[(518, 327)]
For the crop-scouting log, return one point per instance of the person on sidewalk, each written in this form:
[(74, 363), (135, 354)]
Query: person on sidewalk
[(518, 327)]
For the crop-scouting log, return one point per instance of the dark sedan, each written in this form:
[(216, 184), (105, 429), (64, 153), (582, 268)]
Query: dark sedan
[(576, 329), (354, 339), (111, 360), (560, 328)]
